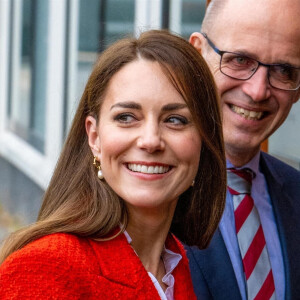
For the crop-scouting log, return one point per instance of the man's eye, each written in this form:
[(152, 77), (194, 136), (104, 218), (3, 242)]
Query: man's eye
[(177, 120), (242, 60), (285, 71), (237, 61), (124, 118)]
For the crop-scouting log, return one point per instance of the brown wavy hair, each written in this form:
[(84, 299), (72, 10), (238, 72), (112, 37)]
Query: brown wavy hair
[(77, 202)]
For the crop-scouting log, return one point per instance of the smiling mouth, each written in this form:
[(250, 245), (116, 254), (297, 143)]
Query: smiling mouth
[(148, 169), (247, 114)]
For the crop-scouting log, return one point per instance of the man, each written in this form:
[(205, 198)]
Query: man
[(253, 50)]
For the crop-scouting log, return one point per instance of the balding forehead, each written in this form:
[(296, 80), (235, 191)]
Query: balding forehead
[(267, 29), (214, 8), (269, 9), (281, 15)]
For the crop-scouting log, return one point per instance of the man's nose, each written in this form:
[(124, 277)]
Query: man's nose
[(151, 139), (258, 86)]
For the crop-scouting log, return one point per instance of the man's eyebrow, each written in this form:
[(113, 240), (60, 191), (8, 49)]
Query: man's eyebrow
[(245, 53), (286, 64), (173, 106), (278, 62), (127, 104)]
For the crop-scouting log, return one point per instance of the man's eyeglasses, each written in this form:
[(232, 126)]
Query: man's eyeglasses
[(238, 66)]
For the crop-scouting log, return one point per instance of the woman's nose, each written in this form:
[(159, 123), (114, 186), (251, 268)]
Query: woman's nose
[(150, 138)]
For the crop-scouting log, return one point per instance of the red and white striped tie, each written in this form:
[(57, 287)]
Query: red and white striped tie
[(251, 239)]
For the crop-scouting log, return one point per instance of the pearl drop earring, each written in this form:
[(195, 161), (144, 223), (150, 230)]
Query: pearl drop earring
[(97, 164), (100, 174)]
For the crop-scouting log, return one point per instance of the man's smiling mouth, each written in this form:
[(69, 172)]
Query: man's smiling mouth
[(247, 114)]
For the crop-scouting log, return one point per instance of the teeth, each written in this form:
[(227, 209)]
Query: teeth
[(247, 114), (148, 169)]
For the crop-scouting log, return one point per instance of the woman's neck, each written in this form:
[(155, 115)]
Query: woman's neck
[(148, 234)]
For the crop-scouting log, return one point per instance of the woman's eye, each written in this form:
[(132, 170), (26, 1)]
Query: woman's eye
[(177, 120), (125, 118)]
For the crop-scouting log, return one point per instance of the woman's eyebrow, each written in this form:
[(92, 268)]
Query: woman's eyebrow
[(134, 105), (127, 104), (173, 106)]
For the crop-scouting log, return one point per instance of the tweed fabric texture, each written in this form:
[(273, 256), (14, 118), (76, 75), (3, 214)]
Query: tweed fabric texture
[(64, 266)]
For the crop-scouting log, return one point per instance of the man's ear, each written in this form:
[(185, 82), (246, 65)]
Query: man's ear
[(196, 39), (297, 96), (93, 135)]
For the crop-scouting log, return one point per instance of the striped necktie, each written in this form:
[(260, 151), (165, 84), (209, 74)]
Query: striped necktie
[(250, 236)]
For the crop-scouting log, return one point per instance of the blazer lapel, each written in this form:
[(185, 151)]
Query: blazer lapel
[(287, 220), (120, 265), (215, 265)]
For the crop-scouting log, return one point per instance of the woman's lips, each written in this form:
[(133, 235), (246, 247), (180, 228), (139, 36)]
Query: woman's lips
[(149, 168)]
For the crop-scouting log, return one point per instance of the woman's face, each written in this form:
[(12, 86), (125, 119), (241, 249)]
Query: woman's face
[(146, 140)]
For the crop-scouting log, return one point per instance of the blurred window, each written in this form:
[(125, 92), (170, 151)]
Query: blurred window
[(27, 74), (99, 24), (192, 16), (185, 16)]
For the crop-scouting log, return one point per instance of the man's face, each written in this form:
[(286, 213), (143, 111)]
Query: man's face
[(252, 110)]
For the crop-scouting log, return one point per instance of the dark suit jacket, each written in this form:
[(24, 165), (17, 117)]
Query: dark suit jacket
[(212, 272), (64, 266)]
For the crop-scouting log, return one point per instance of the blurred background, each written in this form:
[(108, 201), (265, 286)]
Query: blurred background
[(47, 51)]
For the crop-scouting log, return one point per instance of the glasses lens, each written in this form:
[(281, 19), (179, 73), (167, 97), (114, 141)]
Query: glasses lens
[(284, 77), (238, 66)]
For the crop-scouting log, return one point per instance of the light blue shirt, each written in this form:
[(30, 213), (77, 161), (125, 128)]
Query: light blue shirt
[(260, 195)]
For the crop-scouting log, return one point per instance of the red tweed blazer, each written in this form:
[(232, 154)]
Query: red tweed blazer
[(64, 266)]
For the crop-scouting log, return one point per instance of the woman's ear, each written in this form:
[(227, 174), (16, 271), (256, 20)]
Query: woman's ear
[(196, 39), (93, 135)]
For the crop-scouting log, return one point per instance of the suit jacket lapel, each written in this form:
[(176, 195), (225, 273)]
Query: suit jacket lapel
[(287, 220), (216, 269)]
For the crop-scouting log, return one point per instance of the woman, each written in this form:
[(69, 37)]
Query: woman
[(144, 158)]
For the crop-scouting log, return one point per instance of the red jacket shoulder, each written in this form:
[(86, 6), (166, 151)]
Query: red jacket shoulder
[(59, 247), (53, 262)]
